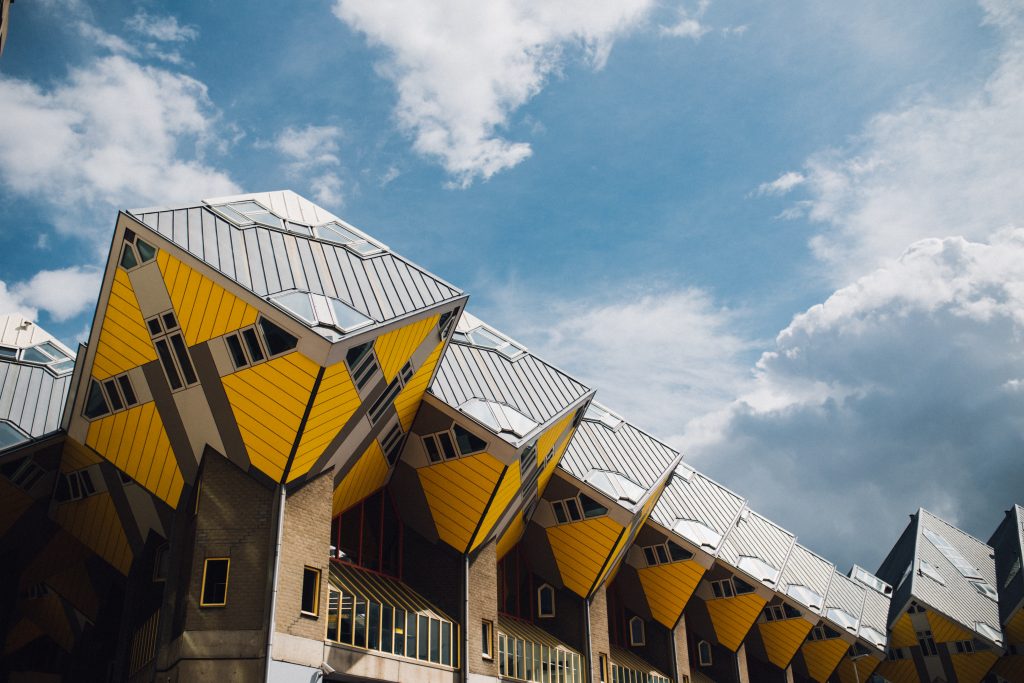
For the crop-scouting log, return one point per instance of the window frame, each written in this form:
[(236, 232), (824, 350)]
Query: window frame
[(316, 592), (642, 640), (541, 614), (703, 647), (487, 639), (227, 582)]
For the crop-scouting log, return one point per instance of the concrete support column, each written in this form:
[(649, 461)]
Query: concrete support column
[(789, 674), (742, 675), (482, 606)]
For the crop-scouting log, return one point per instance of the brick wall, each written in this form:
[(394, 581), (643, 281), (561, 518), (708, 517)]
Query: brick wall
[(305, 541), (682, 651), (483, 604), (599, 641)]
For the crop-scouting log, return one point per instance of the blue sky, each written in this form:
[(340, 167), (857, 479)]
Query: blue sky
[(778, 235)]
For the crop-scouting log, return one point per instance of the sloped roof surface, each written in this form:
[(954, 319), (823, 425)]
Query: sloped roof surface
[(957, 599), (699, 498), (806, 568), (847, 595), (624, 449), (267, 261), (32, 394), (754, 536), (875, 613)]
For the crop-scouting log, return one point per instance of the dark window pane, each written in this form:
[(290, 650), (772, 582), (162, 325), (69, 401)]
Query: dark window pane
[(447, 446), (591, 508), (8, 352), (360, 622), (446, 644), (164, 352), (678, 553), (154, 327), (573, 509), (252, 342), (128, 260), (431, 446), (333, 602), (146, 252), (356, 353), (387, 628), (423, 643), (169, 321), (127, 390), (87, 486), (560, 512), (742, 587), (113, 395), (96, 404), (649, 554), (410, 635), (347, 605), (400, 627), (546, 601), (215, 583), (278, 341), (662, 553), (435, 641), (468, 443), (184, 359), (310, 590), (237, 354), (373, 627)]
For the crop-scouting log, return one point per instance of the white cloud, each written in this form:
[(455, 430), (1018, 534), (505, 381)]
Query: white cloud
[(658, 357), (781, 185), (463, 67), (10, 302), (936, 165), (313, 153), (104, 40), (899, 391), (689, 24), (112, 134), (62, 293), (162, 28)]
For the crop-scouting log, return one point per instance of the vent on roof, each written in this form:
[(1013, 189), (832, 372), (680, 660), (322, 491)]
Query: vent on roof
[(500, 418), (698, 533), (326, 314), (614, 485)]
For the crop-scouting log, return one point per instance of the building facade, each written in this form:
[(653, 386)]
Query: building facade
[(287, 453)]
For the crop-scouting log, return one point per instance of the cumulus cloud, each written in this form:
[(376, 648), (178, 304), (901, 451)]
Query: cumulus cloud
[(462, 67), (933, 166), (113, 133), (162, 28), (62, 293), (689, 23), (781, 185), (312, 152), (899, 391)]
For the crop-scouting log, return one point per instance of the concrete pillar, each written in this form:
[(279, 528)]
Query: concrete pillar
[(483, 606), (742, 675), (600, 640), (789, 674)]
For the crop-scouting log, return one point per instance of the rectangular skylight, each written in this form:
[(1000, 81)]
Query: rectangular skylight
[(953, 555)]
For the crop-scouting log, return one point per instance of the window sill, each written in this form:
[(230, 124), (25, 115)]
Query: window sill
[(309, 615)]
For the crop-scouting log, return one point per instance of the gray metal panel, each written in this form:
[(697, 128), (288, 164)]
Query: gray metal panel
[(528, 384), (806, 568), (876, 611), (32, 398), (756, 536), (847, 595), (626, 450), (265, 261), (957, 599), (698, 498)]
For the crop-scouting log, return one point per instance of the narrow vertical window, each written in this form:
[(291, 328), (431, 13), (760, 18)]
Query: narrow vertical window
[(215, 582), (487, 639), (545, 601), (310, 591), (704, 653), (637, 632)]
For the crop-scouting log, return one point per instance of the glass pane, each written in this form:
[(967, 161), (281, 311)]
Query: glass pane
[(10, 436), (359, 638), (164, 352), (423, 642), (128, 259), (235, 348), (278, 341), (8, 352), (399, 631), (446, 643), (267, 219), (333, 603), (34, 355), (528, 662), (183, 359), (234, 216), (53, 350), (410, 635), (373, 628), (113, 394), (253, 344), (446, 445), (347, 317), (435, 641), (364, 248), (501, 654), (387, 628), (146, 252), (332, 232), (347, 605), (297, 303), (127, 390), (96, 404), (246, 207), (468, 443)]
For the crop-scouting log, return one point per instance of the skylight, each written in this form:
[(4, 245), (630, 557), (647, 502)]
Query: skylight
[(758, 568), (868, 579), (485, 337), (10, 435), (873, 636), (615, 485), (500, 418), (953, 555), (247, 212), (338, 234), (985, 589), (325, 313), (805, 595), (843, 618), (48, 354), (698, 532), (599, 413), (931, 571), (993, 634)]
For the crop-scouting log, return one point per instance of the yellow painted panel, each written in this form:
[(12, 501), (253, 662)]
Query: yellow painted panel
[(626, 539), (76, 456), (733, 617), (94, 522), (205, 309), (898, 671), (268, 401), (136, 442), (408, 399), (507, 491), (1013, 631), (511, 536), (668, 588), (366, 476), (782, 639), (865, 666), (13, 503), (1010, 667), (336, 400), (945, 630), (457, 492), (560, 446), (124, 341), (971, 668), (902, 633), (73, 585), (395, 348), (581, 548), (823, 656), (23, 633), (49, 615)]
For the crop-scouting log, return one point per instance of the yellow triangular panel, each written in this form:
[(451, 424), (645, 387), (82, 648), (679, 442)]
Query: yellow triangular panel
[(457, 492), (366, 476), (205, 309), (408, 399), (865, 666), (782, 639), (1013, 631), (902, 633), (502, 499), (945, 630), (395, 348), (76, 456), (511, 536), (268, 401), (733, 617), (898, 671), (136, 442), (971, 668), (581, 549), (668, 588), (336, 400), (94, 522), (823, 656), (124, 341), (549, 439)]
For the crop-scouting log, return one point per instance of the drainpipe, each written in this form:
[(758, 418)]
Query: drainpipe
[(587, 645), (273, 585), (465, 618)]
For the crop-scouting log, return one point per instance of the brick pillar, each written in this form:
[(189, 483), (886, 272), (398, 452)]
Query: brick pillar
[(742, 675), (305, 539), (600, 641), (682, 650), (483, 606)]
